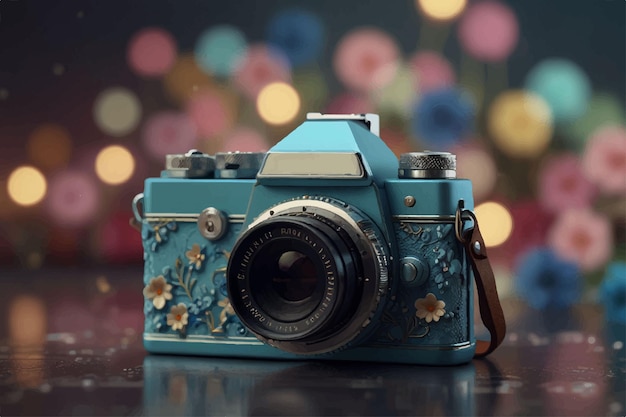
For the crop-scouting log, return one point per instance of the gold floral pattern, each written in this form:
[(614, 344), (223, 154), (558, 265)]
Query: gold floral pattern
[(159, 291), (177, 317), (195, 256), (429, 308)]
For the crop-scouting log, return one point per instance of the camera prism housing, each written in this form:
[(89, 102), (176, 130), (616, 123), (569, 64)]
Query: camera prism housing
[(325, 247)]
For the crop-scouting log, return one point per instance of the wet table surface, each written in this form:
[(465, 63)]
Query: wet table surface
[(71, 345)]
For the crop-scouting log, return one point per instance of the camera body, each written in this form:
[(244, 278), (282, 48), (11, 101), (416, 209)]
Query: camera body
[(325, 247)]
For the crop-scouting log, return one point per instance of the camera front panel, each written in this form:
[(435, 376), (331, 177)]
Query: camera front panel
[(431, 306)]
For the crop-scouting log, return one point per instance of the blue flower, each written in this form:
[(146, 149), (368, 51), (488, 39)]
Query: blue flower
[(441, 118), (546, 281), (154, 235), (298, 33), (201, 304), (613, 292)]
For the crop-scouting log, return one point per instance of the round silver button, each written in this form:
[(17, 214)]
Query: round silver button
[(414, 271), (212, 223)]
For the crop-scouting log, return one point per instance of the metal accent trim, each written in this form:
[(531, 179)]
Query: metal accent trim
[(456, 346), (203, 339), (191, 218)]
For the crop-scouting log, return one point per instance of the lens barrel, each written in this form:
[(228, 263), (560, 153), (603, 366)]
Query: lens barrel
[(307, 276)]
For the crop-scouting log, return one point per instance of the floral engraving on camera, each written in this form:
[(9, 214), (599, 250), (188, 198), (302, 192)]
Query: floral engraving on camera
[(179, 299)]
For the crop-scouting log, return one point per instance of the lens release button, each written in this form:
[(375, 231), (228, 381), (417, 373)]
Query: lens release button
[(414, 271)]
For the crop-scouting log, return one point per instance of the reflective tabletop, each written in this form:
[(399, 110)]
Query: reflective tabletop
[(71, 345)]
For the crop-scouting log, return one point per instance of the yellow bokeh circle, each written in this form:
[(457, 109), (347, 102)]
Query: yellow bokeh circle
[(496, 222), (441, 9), (115, 165), (49, 146), (278, 103), (26, 186), (520, 123)]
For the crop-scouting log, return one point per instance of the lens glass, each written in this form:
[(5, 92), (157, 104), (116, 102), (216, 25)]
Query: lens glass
[(295, 277), (287, 280)]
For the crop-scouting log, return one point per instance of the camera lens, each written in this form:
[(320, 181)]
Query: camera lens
[(292, 277), (308, 280)]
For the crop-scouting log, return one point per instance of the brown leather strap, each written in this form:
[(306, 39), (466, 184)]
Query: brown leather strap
[(488, 301)]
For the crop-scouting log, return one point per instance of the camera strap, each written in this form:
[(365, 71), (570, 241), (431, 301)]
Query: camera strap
[(488, 300)]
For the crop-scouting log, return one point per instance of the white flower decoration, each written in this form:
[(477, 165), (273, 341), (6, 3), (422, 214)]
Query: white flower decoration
[(158, 290), (429, 308), (177, 317)]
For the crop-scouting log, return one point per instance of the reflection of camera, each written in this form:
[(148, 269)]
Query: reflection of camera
[(193, 386), (325, 247)]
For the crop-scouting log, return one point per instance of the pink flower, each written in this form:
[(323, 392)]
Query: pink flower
[(583, 237), (562, 185), (604, 161), (260, 66), (366, 59)]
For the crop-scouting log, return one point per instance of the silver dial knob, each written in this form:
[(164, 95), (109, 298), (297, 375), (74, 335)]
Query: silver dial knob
[(427, 165), (193, 164)]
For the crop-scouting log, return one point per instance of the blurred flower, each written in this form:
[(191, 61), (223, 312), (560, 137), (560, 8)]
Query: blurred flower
[(476, 164), (563, 85), (520, 123), (168, 132), (431, 71), (366, 59), (583, 237), (260, 66), (298, 33), (429, 308), (151, 52), (545, 280), (443, 117), (604, 160), (218, 49), (196, 256), (562, 184), (244, 139), (212, 112), (613, 292), (488, 31), (159, 291), (177, 317)]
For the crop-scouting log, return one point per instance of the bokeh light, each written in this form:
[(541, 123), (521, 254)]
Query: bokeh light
[(397, 97), (151, 52), (563, 85), (347, 103), (520, 123), (488, 30), (298, 33), (26, 186), (212, 112), (278, 103), (244, 139), (603, 109), (168, 132), (441, 9), (260, 66), (431, 71), (117, 111), (185, 79), (396, 140), (219, 49), (366, 59), (476, 164), (49, 146), (442, 118), (27, 321), (496, 222), (604, 160), (73, 198), (114, 165)]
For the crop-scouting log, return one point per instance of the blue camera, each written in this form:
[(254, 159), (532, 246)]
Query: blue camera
[(327, 246)]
